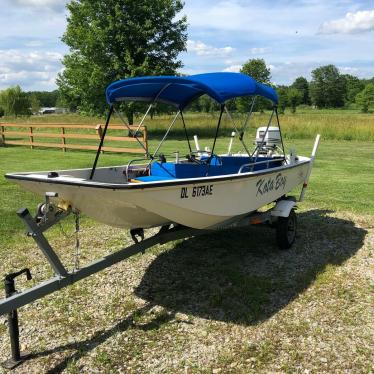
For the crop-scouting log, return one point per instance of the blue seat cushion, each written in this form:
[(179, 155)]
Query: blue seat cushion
[(153, 178)]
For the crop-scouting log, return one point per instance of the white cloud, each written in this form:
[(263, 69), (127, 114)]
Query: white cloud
[(348, 70), (233, 68), (30, 70), (259, 50), (352, 23), (287, 72), (202, 49), (55, 5)]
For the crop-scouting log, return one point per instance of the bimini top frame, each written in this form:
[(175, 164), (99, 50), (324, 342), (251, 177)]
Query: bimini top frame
[(180, 92)]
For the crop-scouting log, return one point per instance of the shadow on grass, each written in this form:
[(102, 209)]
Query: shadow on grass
[(239, 275), (236, 276)]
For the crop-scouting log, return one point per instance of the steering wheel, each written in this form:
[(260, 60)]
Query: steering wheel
[(192, 157)]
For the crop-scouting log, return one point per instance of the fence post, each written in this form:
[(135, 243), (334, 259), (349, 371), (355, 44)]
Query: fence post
[(2, 136), (31, 138), (63, 138), (99, 131)]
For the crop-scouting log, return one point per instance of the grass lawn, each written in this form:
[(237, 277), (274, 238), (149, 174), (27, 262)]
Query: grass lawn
[(224, 303)]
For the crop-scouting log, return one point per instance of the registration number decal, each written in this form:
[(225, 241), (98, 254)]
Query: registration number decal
[(196, 191)]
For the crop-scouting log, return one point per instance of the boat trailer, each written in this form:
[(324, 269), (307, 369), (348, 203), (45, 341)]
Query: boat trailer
[(48, 215)]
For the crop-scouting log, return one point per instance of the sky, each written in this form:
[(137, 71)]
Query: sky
[(292, 36)]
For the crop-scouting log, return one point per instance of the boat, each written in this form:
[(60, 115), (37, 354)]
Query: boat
[(203, 190), (185, 196)]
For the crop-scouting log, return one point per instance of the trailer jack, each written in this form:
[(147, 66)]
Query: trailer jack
[(17, 356)]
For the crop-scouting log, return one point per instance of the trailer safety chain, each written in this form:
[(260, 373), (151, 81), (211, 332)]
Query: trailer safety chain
[(77, 252), (64, 233)]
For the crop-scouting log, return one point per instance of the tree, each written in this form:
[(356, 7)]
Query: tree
[(205, 103), (257, 69), (288, 97), (294, 98), (282, 98), (353, 86), (367, 81), (327, 88), (34, 103), (365, 99), (302, 85), (45, 98), (116, 39), (14, 102)]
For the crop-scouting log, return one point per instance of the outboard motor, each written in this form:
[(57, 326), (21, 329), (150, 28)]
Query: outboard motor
[(269, 142)]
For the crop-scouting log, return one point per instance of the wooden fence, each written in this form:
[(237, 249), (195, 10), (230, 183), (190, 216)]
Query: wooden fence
[(67, 136)]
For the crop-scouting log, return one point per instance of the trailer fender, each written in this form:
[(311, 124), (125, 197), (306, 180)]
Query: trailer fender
[(283, 208)]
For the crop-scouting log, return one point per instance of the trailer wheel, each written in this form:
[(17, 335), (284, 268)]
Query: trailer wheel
[(286, 230)]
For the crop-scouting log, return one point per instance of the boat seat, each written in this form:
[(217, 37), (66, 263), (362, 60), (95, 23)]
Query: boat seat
[(153, 178)]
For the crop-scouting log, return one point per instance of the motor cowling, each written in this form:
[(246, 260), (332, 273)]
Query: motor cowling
[(268, 141)]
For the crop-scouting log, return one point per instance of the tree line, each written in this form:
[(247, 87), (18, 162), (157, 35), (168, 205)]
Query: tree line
[(116, 39), (15, 102), (328, 88)]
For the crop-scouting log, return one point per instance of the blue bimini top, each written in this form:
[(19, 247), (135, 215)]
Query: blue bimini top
[(180, 91)]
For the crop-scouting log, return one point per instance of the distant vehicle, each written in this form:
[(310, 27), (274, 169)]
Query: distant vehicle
[(52, 110)]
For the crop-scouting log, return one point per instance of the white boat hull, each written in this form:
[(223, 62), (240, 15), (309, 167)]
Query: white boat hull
[(199, 203)]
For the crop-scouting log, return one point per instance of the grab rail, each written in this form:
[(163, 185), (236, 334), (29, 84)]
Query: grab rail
[(129, 164), (259, 163)]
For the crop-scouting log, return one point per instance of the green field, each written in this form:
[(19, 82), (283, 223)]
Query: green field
[(224, 303), (331, 124)]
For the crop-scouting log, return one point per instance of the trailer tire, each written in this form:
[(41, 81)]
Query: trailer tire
[(286, 230)]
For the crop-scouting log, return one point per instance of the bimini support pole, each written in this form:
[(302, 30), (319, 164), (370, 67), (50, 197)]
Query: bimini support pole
[(217, 129), (166, 134), (101, 141), (241, 134), (130, 131), (280, 133), (186, 133), (312, 157), (263, 139), (150, 106)]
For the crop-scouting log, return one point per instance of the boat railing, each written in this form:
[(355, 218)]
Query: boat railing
[(253, 164), (127, 167)]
